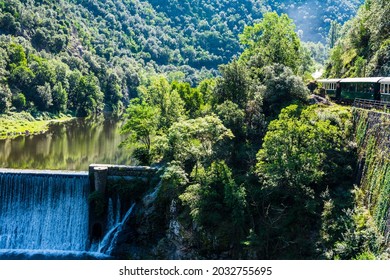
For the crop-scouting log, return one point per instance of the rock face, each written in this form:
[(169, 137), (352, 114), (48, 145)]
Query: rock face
[(372, 130), (142, 237), (316, 99)]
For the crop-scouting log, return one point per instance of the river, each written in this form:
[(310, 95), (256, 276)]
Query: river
[(73, 145)]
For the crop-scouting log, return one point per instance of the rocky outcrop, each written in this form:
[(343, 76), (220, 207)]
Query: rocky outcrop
[(143, 237)]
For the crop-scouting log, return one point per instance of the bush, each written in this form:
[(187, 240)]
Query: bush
[(19, 101)]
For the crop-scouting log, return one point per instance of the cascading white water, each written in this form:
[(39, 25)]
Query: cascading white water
[(110, 239), (118, 210), (114, 213), (43, 211), (110, 215)]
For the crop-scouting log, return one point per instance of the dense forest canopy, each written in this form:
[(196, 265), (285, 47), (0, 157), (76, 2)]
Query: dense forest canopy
[(113, 46), (246, 152), (215, 95)]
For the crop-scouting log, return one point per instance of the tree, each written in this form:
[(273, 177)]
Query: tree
[(302, 159), (8, 24), (5, 98), (196, 140), (334, 33), (193, 99), (90, 97), (282, 88), (19, 101), (17, 55), (22, 78), (160, 94), (44, 98), (113, 92), (215, 203), (141, 126), (295, 148), (74, 93), (234, 84), (272, 40), (232, 117), (60, 98)]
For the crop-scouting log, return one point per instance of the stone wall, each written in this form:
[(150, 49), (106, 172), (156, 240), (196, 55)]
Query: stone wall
[(372, 134), (101, 174)]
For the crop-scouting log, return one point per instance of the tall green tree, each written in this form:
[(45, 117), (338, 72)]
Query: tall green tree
[(141, 128), (5, 98), (234, 85), (90, 96), (334, 33), (282, 89), (196, 140), (215, 203), (167, 100), (272, 40)]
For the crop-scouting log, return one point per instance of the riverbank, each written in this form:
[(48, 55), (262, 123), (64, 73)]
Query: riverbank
[(14, 124)]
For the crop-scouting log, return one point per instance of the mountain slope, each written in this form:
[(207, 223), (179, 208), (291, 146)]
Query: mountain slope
[(111, 45), (364, 48)]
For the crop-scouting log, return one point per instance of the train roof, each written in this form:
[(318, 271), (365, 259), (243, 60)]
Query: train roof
[(385, 80), (329, 80), (356, 80), (361, 80)]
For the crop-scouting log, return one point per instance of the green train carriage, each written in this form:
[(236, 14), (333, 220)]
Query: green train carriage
[(372, 88)]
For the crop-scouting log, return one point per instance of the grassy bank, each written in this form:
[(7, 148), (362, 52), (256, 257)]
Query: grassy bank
[(15, 124)]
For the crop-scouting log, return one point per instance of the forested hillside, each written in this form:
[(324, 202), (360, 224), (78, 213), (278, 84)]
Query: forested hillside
[(251, 169), (252, 166), (364, 47), (313, 17), (75, 55)]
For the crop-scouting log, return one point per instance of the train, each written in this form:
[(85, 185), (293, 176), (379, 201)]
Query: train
[(369, 88)]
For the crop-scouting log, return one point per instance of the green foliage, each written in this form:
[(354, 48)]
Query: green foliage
[(234, 84), (290, 202), (372, 134), (361, 237), (334, 33), (5, 98), (295, 148), (90, 97), (272, 40), (119, 42), (60, 98), (195, 140), (141, 125), (19, 101), (192, 98), (232, 117), (215, 203), (44, 98), (362, 49), (166, 99), (282, 88)]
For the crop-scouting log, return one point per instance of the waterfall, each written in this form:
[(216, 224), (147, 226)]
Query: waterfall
[(113, 217), (43, 211), (110, 239)]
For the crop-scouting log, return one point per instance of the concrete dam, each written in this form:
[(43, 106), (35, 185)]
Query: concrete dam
[(66, 215)]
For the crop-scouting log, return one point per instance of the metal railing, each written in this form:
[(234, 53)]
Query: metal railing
[(371, 104)]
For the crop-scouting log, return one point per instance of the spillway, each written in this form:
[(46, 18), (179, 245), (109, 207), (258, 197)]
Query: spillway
[(43, 211)]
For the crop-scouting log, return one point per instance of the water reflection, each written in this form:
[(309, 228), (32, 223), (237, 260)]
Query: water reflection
[(67, 146)]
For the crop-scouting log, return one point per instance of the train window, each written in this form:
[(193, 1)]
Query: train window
[(385, 88), (385, 97)]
